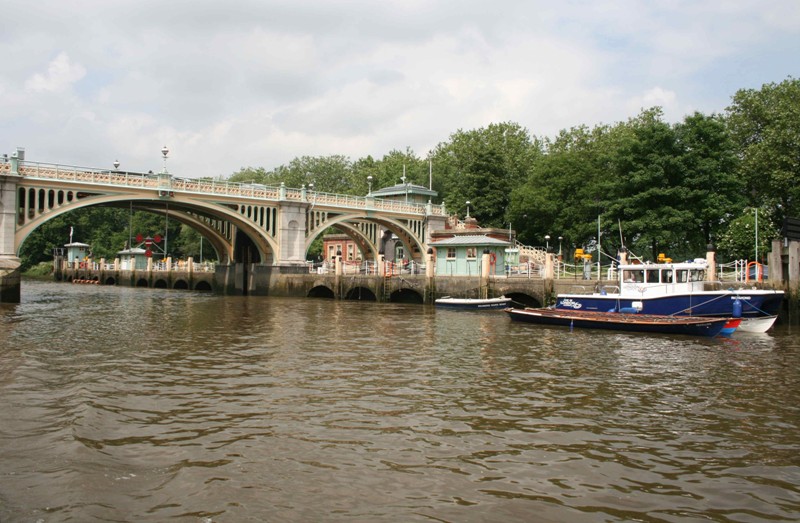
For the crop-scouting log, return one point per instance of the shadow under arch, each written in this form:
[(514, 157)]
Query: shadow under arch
[(406, 296), (361, 294), (320, 291), (520, 299)]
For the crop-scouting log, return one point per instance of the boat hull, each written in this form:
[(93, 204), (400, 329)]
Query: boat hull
[(642, 323), (760, 305), (473, 303)]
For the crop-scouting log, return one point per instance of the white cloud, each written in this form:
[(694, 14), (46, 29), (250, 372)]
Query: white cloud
[(259, 82), (61, 74)]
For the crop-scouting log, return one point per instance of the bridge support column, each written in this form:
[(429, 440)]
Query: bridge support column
[(9, 262), (291, 234)]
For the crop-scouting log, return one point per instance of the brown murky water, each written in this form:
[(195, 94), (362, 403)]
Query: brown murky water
[(154, 405)]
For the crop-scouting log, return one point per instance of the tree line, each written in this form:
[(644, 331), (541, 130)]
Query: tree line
[(644, 183)]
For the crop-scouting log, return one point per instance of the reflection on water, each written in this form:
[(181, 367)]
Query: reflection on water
[(152, 405)]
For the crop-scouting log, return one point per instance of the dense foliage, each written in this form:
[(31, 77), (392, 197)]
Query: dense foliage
[(645, 183)]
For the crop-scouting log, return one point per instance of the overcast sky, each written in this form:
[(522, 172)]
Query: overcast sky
[(257, 83)]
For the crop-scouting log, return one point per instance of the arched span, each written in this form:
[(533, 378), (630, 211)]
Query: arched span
[(219, 243), (263, 242), (410, 241), (363, 241)]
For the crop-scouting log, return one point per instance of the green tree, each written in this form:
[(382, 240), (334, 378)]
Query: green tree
[(563, 194), (738, 242), (714, 191), (765, 125), (483, 166), (649, 192)]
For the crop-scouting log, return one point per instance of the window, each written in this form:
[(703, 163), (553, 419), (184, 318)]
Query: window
[(451, 253), (698, 275), (633, 276), (472, 252), (350, 252)]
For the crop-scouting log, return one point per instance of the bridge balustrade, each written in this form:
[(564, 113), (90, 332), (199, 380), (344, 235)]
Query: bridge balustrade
[(217, 187)]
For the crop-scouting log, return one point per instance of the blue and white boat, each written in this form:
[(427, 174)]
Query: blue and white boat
[(679, 289)]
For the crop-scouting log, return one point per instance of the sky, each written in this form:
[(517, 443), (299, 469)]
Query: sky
[(257, 83)]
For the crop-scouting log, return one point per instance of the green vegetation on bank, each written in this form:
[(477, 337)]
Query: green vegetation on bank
[(42, 270), (671, 188)]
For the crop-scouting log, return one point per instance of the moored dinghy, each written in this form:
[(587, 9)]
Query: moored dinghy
[(621, 321), (473, 303)]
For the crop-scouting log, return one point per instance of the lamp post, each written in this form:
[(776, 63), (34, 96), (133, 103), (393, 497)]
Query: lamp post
[(559, 245), (547, 242), (369, 182), (116, 164), (164, 153), (467, 208)]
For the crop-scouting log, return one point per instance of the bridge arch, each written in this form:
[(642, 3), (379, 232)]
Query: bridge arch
[(198, 215), (410, 240)]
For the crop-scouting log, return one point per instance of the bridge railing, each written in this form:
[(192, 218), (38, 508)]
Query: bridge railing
[(165, 181)]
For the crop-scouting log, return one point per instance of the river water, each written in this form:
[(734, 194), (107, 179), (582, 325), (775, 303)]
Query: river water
[(131, 404)]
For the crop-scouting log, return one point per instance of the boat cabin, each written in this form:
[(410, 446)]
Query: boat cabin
[(662, 278)]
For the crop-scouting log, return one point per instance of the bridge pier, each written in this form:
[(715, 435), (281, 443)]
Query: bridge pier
[(9, 262)]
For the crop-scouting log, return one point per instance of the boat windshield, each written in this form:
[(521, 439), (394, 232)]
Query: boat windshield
[(630, 276), (690, 275)]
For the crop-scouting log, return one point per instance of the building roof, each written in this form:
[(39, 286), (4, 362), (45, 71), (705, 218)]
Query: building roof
[(402, 189), (474, 240), (135, 250)]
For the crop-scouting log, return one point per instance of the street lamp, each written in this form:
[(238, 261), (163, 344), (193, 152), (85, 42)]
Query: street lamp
[(164, 153), (467, 208), (369, 181), (547, 241), (116, 164), (559, 244)]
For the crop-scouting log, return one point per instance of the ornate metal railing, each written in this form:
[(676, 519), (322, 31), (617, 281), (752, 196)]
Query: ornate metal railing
[(165, 181)]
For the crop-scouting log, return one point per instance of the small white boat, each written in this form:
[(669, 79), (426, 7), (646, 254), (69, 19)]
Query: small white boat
[(473, 303), (757, 324)]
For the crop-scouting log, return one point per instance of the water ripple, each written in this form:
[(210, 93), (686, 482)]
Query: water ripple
[(151, 405)]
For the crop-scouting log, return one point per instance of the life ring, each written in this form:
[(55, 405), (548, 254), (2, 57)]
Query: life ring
[(492, 258)]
